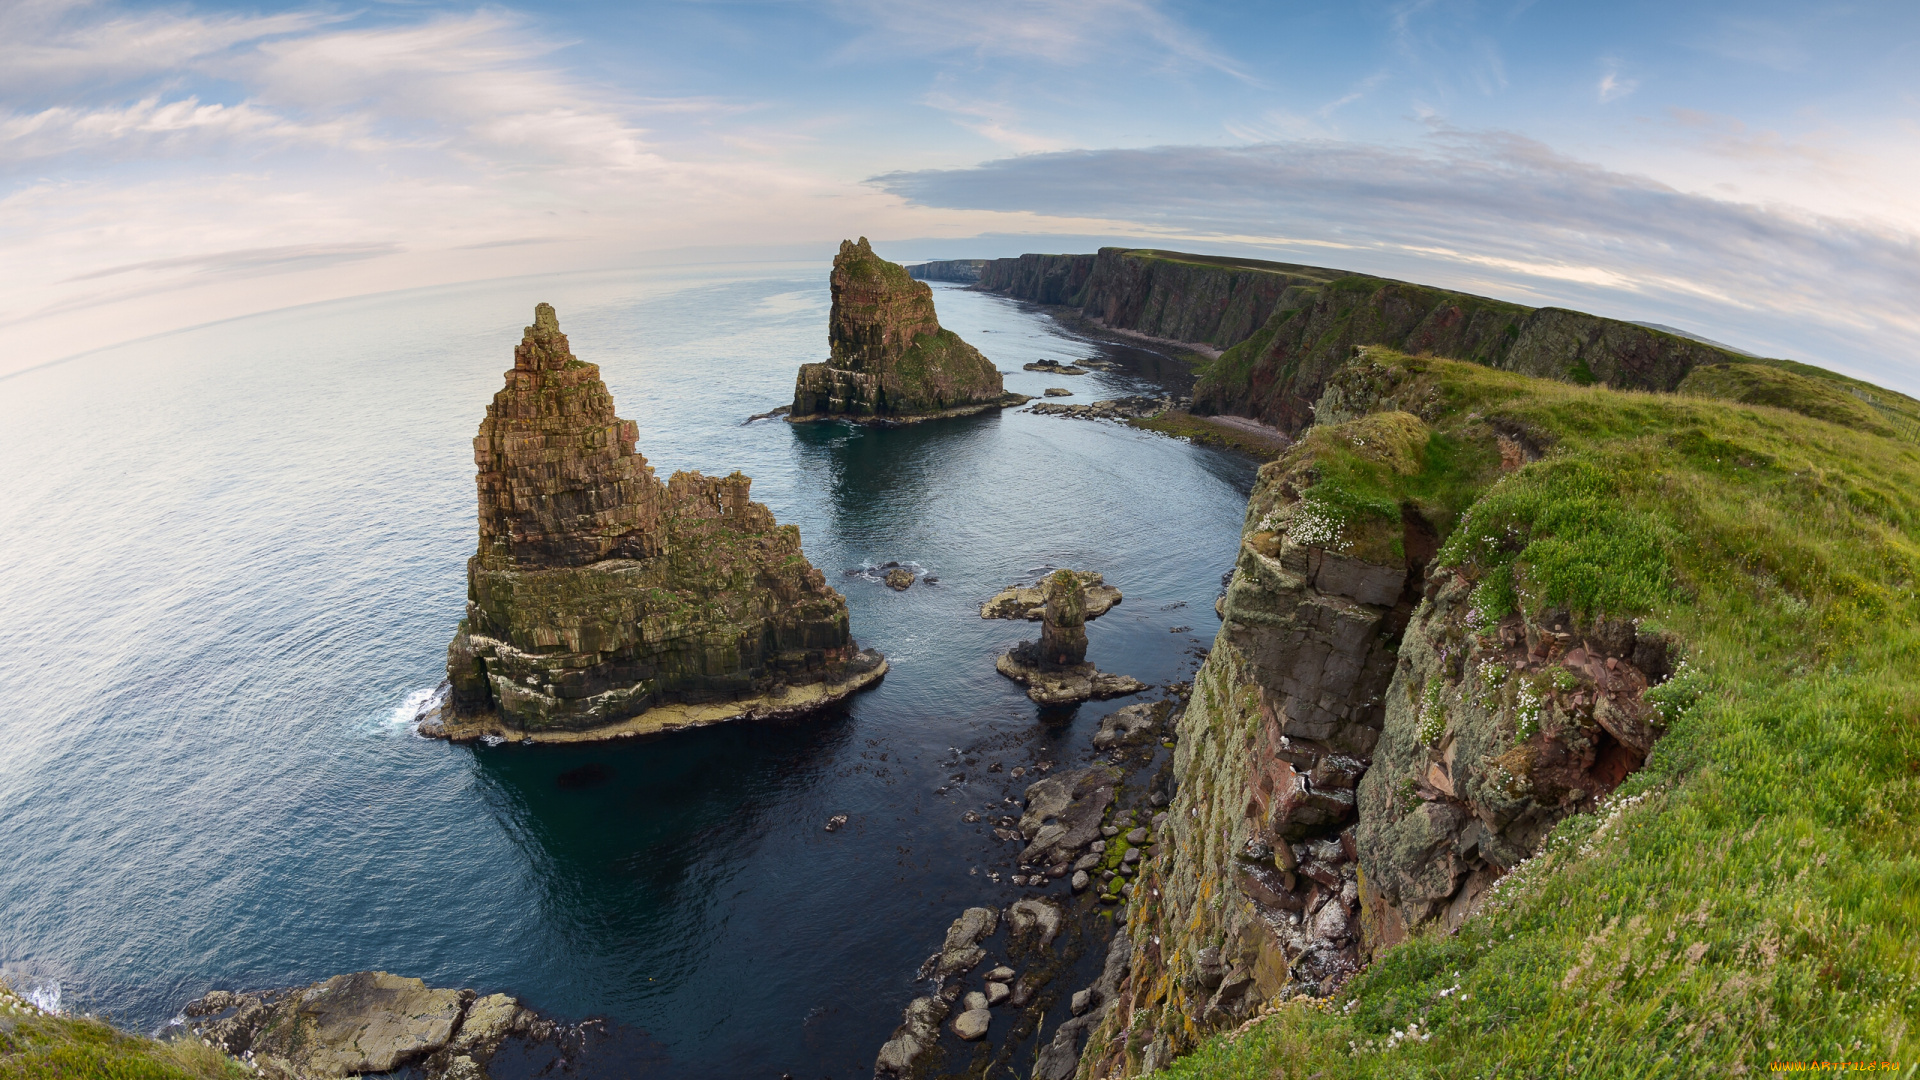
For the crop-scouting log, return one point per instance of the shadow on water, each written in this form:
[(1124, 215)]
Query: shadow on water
[(890, 474)]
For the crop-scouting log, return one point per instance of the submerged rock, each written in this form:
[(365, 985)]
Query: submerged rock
[(603, 602), (890, 359), (1055, 367)]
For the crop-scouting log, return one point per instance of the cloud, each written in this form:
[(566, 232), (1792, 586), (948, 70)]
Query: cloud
[(258, 260), (153, 128), (1496, 212), (1613, 86), (1061, 32), (51, 44)]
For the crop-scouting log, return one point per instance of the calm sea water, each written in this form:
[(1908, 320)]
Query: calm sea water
[(233, 556)]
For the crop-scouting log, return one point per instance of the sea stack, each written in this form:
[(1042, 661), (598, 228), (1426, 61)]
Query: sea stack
[(890, 361), (602, 602), (1054, 669)]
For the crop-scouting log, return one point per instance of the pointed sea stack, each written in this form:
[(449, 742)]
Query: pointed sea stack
[(890, 360), (603, 602)]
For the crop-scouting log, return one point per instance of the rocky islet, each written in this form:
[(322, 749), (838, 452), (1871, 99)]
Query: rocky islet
[(603, 602), (889, 359)]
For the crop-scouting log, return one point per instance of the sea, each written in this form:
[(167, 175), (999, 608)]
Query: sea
[(231, 559)]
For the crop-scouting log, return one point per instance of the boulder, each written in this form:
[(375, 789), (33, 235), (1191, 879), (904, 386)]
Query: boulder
[(899, 578), (961, 950), (973, 1023), (1130, 725), (1063, 812), (1039, 919)]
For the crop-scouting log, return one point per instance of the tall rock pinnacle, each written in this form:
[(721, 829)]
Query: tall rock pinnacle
[(888, 356), (600, 598)]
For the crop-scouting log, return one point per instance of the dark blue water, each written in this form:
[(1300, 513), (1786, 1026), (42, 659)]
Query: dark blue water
[(229, 558)]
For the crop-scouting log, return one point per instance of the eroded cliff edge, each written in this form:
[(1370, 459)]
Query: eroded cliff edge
[(1381, 731), (603, 602), (890, 358)]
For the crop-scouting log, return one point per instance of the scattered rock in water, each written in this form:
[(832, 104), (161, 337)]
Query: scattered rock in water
[(836, 822), (366, 1022), (1029, 602), (1131, 726), (1126, 408), (1000, 974), (1054, 367), (899, 578), (1063, 813), (1058, 391), (771, 413), (962, 951), (1059, 1059), (997, 993), (1082, 1001), (1179, 629), (973, 1023), (1080, 881), (918, 1031), (975, 1000), (971, 817)]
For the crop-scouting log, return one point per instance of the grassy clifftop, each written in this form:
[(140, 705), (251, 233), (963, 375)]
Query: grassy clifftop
[(1752, 894), (35, 1045)]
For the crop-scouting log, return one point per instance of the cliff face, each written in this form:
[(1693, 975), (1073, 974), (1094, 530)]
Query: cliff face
[(598, 592), (1364, 752), (889, 356), (1286, 328), (965, 271)]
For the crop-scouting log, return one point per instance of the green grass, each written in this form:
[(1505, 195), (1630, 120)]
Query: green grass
[(1753, 894), (37, 1046)]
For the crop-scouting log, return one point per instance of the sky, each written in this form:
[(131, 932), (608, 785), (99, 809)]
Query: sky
[(1742, 170)]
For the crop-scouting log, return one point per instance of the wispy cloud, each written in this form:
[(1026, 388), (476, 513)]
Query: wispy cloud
[(1064, 32), (1613, 86), (1496, 212)]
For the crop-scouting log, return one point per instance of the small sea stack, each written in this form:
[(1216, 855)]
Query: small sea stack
[(890, 360), (1054, 669), (602, 602)]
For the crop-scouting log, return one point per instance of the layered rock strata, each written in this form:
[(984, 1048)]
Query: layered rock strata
[(1054, 669), (890, 360), (964, 271), (1286, 328), (602, 601)]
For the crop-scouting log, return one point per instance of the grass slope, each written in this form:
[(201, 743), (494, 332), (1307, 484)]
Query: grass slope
[(1753, 895), (38, 1046)]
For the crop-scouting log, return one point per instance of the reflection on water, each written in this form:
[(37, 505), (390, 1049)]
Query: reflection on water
[(212, 613)]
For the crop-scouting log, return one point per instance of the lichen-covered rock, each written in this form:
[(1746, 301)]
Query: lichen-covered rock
[(599, 593), (890, 359), (1492, 735), (1131, 725), (1063, 620), (961, 951)]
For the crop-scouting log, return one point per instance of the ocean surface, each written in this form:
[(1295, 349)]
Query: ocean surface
[(230, 563)]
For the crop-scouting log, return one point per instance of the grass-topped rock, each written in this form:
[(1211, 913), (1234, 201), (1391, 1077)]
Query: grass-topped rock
[(890, 359), (603, 602)]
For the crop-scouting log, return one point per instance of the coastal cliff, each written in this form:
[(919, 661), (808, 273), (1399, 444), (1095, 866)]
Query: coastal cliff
[(1489, 762), (602, 601), (964, 271), (1278, 331), (890, 359)]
